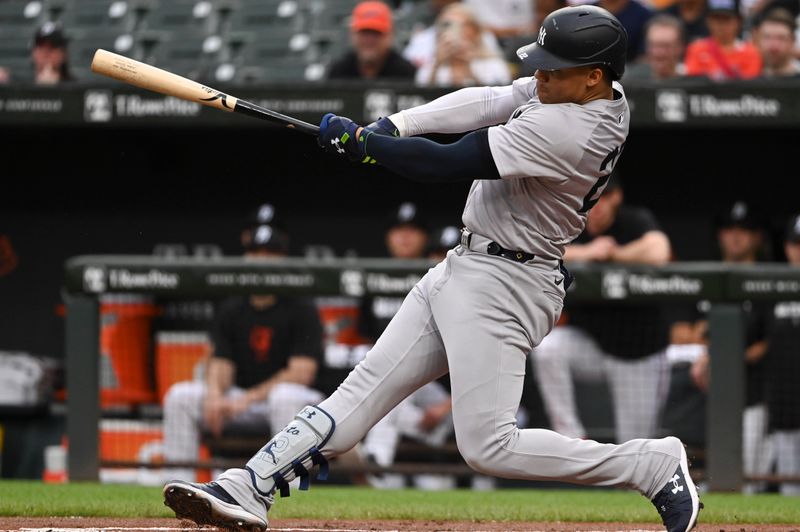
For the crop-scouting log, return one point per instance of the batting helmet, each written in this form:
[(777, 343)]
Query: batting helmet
[(578, 36)]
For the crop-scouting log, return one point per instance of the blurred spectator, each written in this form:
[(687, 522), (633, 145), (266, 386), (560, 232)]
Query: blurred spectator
[(621, 344), (461, 58), (49, 55), (783, 373), (664, 46), (693, 15), (5, 75), (443, 240), (421, 48), (505, 18), (425, 415), (774, 37), (541, 10), (266, 352), (741, 237), (723, 55), (373, 55), (633, 15)]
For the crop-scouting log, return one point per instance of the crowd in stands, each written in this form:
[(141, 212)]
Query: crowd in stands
[(424, 42)]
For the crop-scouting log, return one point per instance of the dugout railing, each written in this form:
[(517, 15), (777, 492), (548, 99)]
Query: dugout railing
[(87, 278)]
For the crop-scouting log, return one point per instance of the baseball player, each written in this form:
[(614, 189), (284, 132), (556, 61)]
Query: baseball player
[(538, 153)]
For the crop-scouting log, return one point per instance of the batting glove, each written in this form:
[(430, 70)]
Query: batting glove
[(383, 126), (337, 136)]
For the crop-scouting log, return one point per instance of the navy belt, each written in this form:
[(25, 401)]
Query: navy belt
[(493, 248)]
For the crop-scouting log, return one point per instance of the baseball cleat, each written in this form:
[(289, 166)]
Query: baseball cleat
[(678, 502), (209, 504)]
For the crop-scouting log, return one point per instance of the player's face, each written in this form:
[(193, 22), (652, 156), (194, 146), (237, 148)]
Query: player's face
[(739, 244), (792, 250), (776, 43), (664, 49), (406, 242), (370, 45), (568, 85), (724, 27)]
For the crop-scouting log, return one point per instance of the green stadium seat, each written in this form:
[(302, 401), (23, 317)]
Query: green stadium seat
[(264, 17), (168, 16), (84, 45), (21, 17), (190, 54), (99, 15), (15, 55)]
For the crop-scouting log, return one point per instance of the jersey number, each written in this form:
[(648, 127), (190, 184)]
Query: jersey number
[(591, 198)]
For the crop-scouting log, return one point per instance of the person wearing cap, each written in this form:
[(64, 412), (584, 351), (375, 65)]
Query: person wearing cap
[(442, 240), (425, 415), (372, 56), (723, 55), (266, 350), (623, 345), (692, 13), (740, 238), (461, 58), (783, 373), (49, 55)]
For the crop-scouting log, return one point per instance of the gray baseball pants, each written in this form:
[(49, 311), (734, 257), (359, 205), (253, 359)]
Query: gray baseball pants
[(478, 316)]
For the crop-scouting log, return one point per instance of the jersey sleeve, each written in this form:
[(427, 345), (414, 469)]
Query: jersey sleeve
[(537, 143), (306, 331), (644, 220), (463, 110)]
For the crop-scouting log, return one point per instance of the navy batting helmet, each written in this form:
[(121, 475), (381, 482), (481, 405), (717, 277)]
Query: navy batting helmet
[(578, 36)]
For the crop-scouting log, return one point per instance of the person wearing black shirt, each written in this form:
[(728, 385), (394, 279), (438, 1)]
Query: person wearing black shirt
[(372, 55), (783, 373), (266, 352), (425, 415), (621, 343), (740, 236)]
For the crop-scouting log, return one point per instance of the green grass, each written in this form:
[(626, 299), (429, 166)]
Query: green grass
[(21, 498)]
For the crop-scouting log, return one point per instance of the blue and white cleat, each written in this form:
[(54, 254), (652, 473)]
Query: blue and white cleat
[(678, 502), (210, 504)]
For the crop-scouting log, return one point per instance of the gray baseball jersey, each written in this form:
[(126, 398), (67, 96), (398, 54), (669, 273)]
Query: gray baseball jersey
[(551, 159)]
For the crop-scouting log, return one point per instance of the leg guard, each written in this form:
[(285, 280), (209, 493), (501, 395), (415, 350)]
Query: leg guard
[(291, 452)]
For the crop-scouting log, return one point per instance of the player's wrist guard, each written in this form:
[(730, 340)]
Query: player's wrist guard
[(292, 452)]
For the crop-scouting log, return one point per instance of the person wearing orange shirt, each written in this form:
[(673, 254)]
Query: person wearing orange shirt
[(723, 55)]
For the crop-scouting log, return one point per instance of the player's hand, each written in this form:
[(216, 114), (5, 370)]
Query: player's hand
[(214, 414), (433, 415), (602, 248), (340, 136), (701, 372), (383, 126)]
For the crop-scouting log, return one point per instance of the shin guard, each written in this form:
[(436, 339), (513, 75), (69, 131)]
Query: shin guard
[(292, 452)]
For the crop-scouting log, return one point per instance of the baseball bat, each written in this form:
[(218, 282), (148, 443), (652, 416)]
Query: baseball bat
[(157, 80)]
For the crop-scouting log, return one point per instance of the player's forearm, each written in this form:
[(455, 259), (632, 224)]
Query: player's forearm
[(463, 110), (652, 248), (421, 159), (219, 377)]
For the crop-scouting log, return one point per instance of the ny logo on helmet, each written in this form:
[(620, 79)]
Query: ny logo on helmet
[(542, 35)]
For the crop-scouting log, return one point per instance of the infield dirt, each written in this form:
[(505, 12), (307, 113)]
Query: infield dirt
[(70, 524)]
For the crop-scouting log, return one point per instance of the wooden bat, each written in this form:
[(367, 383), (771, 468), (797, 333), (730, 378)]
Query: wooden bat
[(157, 80)]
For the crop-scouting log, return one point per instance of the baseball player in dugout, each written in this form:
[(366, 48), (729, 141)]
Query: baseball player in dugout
[(266, 353), (538, 153), (623, 345)]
